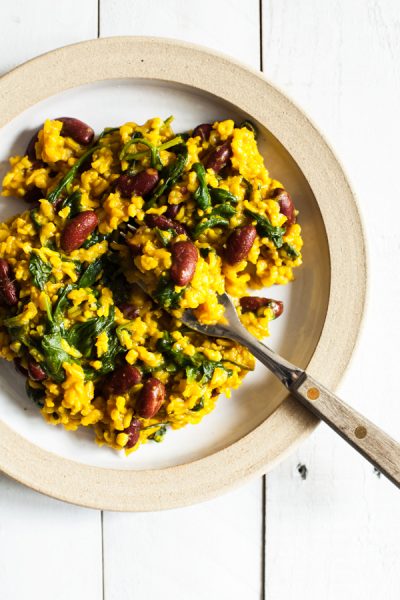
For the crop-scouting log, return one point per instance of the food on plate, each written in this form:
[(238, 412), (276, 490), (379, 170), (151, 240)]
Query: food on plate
[(191, 215)]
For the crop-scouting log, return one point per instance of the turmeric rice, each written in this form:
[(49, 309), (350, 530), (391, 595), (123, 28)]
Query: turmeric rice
[(193, 215)]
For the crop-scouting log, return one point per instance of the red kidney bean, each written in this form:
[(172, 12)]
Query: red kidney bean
[(78, 230), (77, 130), (253, 303), (35, 371), (239, 243), (184, 260), (8, 289), (150, 399), (172, 210), (30, 149), (133, 431), (218, 158), (128, 310), (140, 184), (286, 204), (33, 195), (123, 378), (19, 367), (203, 131), (163, 222)]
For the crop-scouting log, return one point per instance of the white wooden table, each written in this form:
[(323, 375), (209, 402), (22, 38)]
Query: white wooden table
[(323, 525)]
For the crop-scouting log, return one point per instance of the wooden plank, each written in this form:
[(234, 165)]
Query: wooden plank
[(231, 26), (32, 28), (212, 550), (39, 537), (336, 531), (48, 549)]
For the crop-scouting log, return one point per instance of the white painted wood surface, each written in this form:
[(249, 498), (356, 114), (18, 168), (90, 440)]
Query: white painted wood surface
[(334, 534), (337, 532)]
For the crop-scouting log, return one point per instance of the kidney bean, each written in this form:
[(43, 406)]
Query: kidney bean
[(184, 260), (78, 230), (239, 243), (253, 303), (163, 222), (33, 195), (8, 289), (35, 371), (30, 149), (219, 157), (133, 431), (77, 130), (140, 184), (151, 397), (19, 367), (124, 378), (172, 211), (128, 310), (203, 131), (286, 204)]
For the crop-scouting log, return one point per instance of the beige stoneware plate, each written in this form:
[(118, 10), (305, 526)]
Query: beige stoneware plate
[(107, 82)]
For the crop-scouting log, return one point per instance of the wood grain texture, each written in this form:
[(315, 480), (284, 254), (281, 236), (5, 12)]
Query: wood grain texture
[(223, 537), (365, 437), (31, 28), (211, 550), (48, 549), (39, 535), (336, 531), (196, 22)]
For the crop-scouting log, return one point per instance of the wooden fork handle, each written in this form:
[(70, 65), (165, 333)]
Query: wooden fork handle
[(373, 443)]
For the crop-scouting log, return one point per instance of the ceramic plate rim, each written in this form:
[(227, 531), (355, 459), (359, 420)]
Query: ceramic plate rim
[(213, 73)]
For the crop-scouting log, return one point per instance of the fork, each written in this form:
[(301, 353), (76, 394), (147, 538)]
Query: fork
[(370, 441)]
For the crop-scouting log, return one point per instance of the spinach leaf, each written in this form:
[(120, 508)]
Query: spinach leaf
[(212, 221), (290, 250), (105, 132), (165, 235), (74, 203), (70, 175), (20, 334), (95, 238), (62, 301), (90, 274), (33, 215), (249, 187), (170, 175), (202, 193), (220, 195), (35, 394), (155, 160), (54, 355), (108, 359), (197, 367), (159, 435), (83, 335), (166, 295), (198, 406), (265, 229), (40, 271), (223, 210)]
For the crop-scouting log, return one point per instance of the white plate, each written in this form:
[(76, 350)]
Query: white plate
[(105, 101)]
